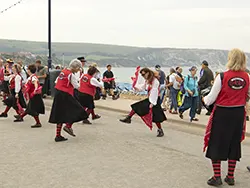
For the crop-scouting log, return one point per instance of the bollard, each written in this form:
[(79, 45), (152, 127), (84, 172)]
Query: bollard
[(53, 74)]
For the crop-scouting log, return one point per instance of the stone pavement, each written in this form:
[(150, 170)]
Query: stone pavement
[(107, 154), (123, 105)]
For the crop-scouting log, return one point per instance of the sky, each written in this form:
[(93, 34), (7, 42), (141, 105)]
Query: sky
[(213, 24)]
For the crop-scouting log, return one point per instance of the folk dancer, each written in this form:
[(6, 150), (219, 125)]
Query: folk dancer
[(66, 109), (226, 127), (16, 96), (7, 73), (150, 106), (33, 92), (87, 90)]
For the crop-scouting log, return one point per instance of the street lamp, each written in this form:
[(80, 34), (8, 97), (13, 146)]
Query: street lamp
[(49, 35)]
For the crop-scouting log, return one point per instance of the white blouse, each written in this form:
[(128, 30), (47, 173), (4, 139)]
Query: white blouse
[(18, 80), (154, 92)]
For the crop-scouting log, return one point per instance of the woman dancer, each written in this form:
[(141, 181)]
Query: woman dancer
[(34, 96), (16, 95), (66, 109), (87, 90), (7, 74), (144, 107), (226, 127)]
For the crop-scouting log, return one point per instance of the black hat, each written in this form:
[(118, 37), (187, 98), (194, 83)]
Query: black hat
[(157, 66), (81, 59), (205, 63)]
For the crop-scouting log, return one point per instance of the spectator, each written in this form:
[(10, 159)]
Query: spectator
[(162, 80), (41, 72), (24, 73), (174, 89), (1, 75), (167, 98), (180, 79), (179, 72), (205, 82), (83, 60), (109, 85), (191, 95)]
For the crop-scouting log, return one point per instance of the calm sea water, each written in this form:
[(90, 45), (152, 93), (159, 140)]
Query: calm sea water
[(124, 74)]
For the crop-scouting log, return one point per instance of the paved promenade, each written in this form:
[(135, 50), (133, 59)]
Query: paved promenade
[(107, 154)]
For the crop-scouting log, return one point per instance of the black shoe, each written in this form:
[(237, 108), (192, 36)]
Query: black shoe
[(4, 115), (104, 98), (60, 139), (181, 115), (216, 182), (230, 181), (160, 133), (114, 97), (248, 168), (69, 131), (247, 118), (38, 125), (86, 121), (126, 120), (96, 117), (18, 118), (198, 112), (208, 113)]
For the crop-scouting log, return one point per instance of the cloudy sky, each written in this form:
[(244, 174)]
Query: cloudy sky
[(217, 24)]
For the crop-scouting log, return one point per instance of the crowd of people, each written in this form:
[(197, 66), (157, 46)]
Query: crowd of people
[(225, 97)]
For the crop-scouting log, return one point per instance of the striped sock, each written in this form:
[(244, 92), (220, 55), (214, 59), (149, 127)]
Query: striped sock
[(7, 109), (69, 125), (58, 130), (158, 125), (231, 168), (37, 119), (132, 112), (17, 111), (23, 115), (217, 168)]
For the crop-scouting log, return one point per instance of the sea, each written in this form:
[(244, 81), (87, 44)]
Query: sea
[(123, 75)]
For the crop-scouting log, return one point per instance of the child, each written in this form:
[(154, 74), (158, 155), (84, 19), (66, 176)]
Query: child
[(35, 103), (66, 109)]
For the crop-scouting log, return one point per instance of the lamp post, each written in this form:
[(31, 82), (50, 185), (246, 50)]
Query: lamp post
[(49, 35)]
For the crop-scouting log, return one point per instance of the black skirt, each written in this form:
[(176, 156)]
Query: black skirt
[(5, 87), (66, 109), (141, 108), (87, 101), (226, 133), (35, 106), (11, 101)]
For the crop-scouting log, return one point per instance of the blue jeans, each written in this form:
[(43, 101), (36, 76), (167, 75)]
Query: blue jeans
[(174, 94), (162, 92), (189, 102)]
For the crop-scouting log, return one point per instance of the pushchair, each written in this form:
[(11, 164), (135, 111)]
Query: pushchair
[(204, 93)]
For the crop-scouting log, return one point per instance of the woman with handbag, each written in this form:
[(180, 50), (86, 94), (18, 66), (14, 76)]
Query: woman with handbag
[(34, 96)]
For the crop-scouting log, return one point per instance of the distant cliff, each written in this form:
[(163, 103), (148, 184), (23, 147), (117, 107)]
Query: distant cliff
[(119, 56)]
